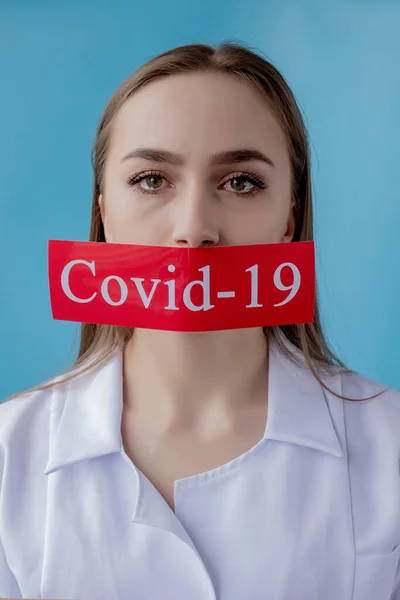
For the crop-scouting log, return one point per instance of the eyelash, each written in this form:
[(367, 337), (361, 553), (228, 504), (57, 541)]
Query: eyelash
[(134, 181)]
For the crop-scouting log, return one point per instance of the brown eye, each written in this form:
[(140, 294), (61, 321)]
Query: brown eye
[(238, 184), (147, 183), (153, 182), (244, 185)]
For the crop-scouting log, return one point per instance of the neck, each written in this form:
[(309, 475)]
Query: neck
[(181, 373)]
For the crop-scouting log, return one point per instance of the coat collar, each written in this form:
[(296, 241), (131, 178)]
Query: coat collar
[(86, 413), (300, 410)]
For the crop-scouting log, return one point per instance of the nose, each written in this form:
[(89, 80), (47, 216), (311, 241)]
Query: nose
[(196, 222)]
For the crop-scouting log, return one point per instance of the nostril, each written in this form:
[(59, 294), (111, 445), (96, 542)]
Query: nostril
[(196, 243)]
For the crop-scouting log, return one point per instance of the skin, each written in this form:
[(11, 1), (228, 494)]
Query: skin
[(208, 402)]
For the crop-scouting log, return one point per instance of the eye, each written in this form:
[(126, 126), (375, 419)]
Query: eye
[(152, 181), (245, 184)]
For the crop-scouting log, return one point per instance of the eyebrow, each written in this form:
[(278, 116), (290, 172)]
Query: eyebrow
[(227, 157)]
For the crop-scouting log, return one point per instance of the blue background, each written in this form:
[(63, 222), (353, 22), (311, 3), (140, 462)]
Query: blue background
[(59, 64)]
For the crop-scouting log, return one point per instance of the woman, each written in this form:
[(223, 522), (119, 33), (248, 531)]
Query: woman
[(223, 465)]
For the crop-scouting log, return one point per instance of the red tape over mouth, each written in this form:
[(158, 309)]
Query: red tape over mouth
[(182, 289)]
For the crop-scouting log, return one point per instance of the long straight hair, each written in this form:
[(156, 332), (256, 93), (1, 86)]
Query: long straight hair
[(98, 342)]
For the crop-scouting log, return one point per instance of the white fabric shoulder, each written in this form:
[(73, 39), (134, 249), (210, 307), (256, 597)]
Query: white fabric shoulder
[(385, 406), (373, 424)]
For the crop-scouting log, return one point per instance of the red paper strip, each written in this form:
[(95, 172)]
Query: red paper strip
[(182, 289)]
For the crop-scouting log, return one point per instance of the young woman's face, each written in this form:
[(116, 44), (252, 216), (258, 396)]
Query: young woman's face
[(197, 160)]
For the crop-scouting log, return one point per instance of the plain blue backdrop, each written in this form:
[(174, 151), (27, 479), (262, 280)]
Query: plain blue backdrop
[(59, 64)]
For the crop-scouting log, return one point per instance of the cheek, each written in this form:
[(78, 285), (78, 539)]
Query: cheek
[(120, 221), (116, 221), (267, 224), (130, 222)]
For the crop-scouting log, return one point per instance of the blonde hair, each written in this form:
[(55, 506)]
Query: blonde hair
[(98, 342)]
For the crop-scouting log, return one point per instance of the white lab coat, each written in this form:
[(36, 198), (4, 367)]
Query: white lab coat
[(311, 512)]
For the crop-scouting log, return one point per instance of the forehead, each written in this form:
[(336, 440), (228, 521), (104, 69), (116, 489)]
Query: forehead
[(198, 112)]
